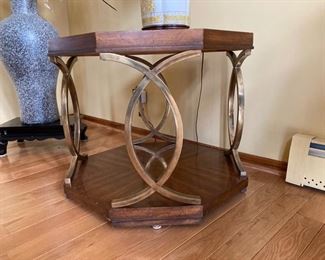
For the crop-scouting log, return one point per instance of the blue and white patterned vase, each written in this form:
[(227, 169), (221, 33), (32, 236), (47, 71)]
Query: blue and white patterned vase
[(24, 40)]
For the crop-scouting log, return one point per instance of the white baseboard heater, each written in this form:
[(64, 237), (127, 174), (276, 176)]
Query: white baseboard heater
[(306, 166)]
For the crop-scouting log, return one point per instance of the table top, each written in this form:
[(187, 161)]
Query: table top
[(150, 42)]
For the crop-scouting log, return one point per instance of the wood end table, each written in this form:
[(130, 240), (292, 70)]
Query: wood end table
[(179, 180)]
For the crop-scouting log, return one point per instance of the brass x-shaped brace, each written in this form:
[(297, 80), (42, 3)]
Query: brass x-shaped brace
[(152, 74)]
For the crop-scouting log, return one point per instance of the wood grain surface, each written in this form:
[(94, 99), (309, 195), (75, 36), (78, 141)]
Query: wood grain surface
[(201, 171), (38, 222), (291, 241), (316, 249), (315, 209), (249, 160), (262, 228), (150, 42)]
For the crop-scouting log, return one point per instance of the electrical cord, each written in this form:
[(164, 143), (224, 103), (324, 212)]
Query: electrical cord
[(199, 101), (110, 5)]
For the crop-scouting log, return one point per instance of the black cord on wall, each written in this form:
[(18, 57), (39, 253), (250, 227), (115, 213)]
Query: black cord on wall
[(199, 101)]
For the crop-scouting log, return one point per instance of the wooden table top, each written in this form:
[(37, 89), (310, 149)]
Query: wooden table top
[(150, 42)]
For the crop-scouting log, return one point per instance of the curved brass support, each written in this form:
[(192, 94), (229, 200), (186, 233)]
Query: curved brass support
[(152, 74), (236, 118), (72, 140), (154, 131), (155, 154)]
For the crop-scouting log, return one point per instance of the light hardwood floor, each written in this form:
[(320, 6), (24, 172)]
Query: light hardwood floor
[(273, 220)]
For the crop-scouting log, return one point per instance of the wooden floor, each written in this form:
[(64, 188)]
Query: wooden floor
[(273, 220)]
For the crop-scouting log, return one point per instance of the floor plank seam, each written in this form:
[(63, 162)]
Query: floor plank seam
[(42, 220), (17, 151), (318, 232), (264, 170), (294, 212), (139, 244), (34, 173), (87, 214), (34, 224), (224, 213), (274, 199), (71, 240), (275, 234), (33, 190)]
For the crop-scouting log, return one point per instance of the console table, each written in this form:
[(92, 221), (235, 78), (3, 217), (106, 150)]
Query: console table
[(158, 179)]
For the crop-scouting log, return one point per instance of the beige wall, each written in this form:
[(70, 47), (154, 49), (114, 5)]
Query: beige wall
[(58, 16), (285, 76)]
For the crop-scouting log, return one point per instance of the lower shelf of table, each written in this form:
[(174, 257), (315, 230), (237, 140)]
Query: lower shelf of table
[(201, 170)]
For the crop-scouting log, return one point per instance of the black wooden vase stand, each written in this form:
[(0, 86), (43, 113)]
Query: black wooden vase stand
[(15, 130)]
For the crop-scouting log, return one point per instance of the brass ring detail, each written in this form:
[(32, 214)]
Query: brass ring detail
[(154, 131), (153, 75), (72, 139)]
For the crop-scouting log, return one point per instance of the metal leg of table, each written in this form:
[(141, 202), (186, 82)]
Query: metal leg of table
[(72, 139), (236, 107), (152, 73)]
